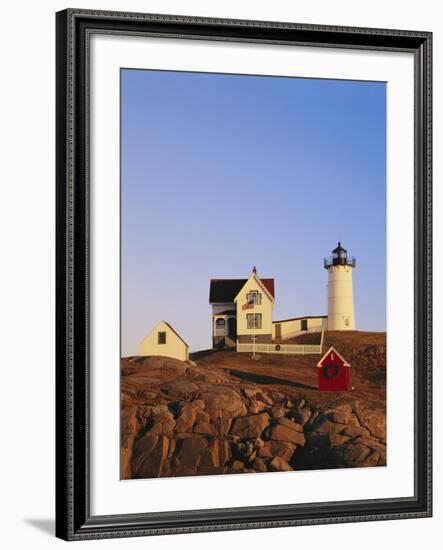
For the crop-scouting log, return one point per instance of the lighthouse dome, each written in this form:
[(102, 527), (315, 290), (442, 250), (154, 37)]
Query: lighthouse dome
[(339, 249)]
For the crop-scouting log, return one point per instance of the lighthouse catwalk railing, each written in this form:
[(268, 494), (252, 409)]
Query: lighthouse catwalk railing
[(282, 348), (328, 262)]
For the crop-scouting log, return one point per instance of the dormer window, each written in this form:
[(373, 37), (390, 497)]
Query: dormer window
[(253, 297)]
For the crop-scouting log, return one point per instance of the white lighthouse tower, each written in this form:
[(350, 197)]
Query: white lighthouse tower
[(340, 293)]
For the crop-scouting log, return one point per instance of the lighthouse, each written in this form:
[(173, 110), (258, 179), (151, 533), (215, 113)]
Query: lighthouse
[(340, 292)]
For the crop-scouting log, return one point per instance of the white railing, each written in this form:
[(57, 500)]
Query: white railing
[(282, 348), (288, 349)]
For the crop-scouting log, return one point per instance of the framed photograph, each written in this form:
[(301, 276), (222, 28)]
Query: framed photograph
[(243, 274)]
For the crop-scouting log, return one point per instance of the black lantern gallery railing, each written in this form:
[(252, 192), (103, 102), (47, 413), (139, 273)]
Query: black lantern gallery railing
[(328, 262)]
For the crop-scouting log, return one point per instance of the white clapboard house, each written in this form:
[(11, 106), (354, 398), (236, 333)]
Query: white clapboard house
[(242, 312)]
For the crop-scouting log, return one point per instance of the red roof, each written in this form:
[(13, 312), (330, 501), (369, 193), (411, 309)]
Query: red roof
[(225, 290), (269, 284)]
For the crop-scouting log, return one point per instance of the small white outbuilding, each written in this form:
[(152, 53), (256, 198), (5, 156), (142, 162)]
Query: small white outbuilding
[(164, 340)]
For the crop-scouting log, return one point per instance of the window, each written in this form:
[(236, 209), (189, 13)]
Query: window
[(347, 322), (304, 324), (161, 338), (253, 297), (253, 320), (220, 323)]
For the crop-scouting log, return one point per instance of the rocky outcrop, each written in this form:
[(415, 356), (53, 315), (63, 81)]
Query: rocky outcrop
[(251, 426), (180, 419), (129, 430)]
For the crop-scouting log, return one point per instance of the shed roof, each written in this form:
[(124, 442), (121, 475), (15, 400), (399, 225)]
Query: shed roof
[(332, 349), (176, 333)]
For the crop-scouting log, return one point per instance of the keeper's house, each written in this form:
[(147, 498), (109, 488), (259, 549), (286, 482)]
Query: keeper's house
[(242, 312), (164, 340)]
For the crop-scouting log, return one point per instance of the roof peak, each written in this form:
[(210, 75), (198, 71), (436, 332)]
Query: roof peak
[(174, 331), (332, 350)]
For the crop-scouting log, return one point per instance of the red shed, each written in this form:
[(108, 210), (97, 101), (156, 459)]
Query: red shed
[(334, 372)]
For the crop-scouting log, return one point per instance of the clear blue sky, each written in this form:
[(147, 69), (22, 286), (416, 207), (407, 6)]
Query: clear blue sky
[(223, 172)]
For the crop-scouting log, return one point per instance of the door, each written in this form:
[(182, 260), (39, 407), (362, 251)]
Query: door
[(278, 332), (232, 328)]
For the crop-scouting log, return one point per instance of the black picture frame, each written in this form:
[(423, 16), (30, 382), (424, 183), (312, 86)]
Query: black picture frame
[(73, 518)]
